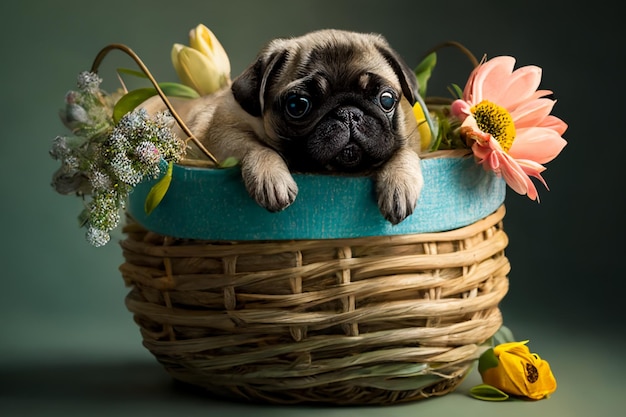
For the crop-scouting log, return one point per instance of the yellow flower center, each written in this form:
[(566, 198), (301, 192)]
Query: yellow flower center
[(496, 121)]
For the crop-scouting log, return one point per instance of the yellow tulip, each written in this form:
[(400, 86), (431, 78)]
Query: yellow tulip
[(519, 372), (204, 64), (422, 126), (203, 40)]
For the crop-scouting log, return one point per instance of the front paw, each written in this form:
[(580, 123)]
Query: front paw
[(398, 187), (268, 180)]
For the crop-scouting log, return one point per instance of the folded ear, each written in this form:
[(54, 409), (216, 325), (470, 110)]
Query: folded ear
[(249, 87), (408, 80)]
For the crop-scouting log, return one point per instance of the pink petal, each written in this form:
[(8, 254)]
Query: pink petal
[(482, 154), (488, 78), (532, 113), (533, 169), (516, 174), (460, 109), (520, 86), (482, 139), (539, 94), (493, 162), (554, 123), (517, 179), (488, 153), (537, 144)]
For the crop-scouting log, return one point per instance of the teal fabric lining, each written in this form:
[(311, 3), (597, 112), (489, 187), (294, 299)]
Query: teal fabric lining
[(213, 204)]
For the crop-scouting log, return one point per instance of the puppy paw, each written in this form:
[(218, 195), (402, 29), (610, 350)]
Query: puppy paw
[(398, 187), (268, 180)]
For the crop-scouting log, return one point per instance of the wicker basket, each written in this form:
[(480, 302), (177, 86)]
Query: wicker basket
[(360, 320)]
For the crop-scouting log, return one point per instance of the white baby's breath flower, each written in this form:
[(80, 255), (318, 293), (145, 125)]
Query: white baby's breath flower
[(118, 141), (148, 153), (123, 168), (97, 237), (104, 212), (74, 115), (59, 149), (133, 123), (89, 82), (99, 180)]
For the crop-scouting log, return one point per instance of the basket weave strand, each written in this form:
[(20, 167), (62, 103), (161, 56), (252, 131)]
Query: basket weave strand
[(371, 320)]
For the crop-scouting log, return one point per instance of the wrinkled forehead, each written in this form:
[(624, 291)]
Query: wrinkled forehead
[(343, 58), (341, 62)]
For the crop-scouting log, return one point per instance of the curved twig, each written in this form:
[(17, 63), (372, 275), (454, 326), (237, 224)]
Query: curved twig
[(458, 46), (96, 64)]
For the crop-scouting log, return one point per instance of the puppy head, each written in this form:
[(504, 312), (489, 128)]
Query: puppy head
[(331, 100)]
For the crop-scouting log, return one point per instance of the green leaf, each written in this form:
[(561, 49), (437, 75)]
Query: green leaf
[(439, 132), (229, 162), (488, 393), (456, 91), (132, 72), (158, 191), (83, 218), (487, 360), (129, 101), (178, 90), (424, 70)]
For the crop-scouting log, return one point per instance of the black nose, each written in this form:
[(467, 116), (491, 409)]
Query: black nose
[(349, 115)]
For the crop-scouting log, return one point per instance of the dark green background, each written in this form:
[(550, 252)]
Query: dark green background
[(61, 298)]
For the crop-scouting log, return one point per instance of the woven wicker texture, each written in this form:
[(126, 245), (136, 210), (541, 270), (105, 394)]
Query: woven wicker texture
[(375, 320)]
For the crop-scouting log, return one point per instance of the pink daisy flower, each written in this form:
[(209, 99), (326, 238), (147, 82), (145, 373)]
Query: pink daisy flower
[(507, 122)]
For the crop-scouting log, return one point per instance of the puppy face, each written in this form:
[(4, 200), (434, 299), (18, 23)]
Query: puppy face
[(331, 100)]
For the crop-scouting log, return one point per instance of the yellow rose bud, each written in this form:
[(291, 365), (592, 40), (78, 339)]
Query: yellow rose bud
[(422, 126), (519, 372), (204, 65)]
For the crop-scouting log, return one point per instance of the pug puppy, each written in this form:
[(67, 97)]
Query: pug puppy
[(330, 101)]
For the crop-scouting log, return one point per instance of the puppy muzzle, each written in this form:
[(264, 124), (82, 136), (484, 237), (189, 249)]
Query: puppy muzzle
[(350, 139)]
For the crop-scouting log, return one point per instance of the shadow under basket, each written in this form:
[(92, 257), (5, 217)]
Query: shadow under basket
[(359, 320)]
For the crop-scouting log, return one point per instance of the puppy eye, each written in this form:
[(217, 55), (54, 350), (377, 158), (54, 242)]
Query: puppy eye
[(297, 106), (387, 100)]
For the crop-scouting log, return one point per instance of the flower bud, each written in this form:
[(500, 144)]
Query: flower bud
[(203, 40), (74, 115), (204, 65), (517, 371)]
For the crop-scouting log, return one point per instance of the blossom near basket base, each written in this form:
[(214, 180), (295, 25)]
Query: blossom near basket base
[(366, 320)]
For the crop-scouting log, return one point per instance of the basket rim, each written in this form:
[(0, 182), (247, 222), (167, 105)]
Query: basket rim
[(212, 204)]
